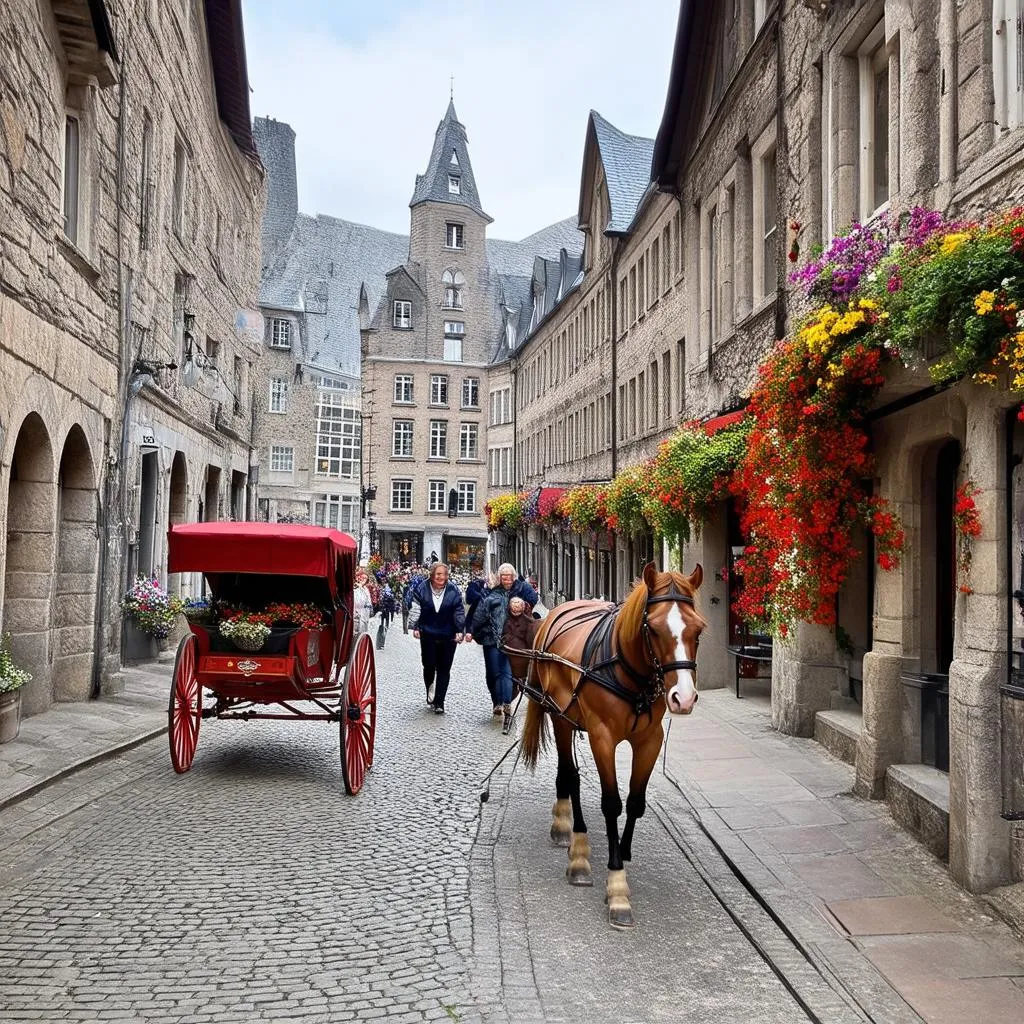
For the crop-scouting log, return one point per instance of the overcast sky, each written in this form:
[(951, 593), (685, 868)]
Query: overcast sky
[(364, 85)]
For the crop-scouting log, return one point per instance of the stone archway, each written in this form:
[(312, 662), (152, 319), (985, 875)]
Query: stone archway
[(177, 505), (29, 563), (75, 583)]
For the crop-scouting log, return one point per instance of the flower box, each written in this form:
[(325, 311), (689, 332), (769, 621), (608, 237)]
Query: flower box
[(10, 715)]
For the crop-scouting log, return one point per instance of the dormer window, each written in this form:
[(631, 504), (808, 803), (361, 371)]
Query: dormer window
[(454, 236), (280, 333), (454, 184), (453, 282), (401, 317)]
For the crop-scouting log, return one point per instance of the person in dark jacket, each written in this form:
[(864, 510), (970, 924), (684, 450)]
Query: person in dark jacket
[(437, 618), (475, 593), (488, 625)]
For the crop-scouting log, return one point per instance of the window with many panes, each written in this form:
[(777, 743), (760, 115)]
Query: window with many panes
[(454, 328), (470, 392), (280, 333), (439, 389), (338, 436), (454, 236), (402, 315), (453, 282), (468, 441), (401, 495), (338, 512), (436, 496), (501, 406), (278, 394), (401, 439), (403, 388), (282, 459), (499, 466), (467, 496), (439, 439)]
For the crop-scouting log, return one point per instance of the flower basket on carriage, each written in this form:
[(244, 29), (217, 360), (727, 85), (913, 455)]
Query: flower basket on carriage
[(248, 631), (199, 613)]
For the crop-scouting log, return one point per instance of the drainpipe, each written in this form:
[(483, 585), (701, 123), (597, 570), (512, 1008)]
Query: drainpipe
[(614, 307), (113, 478)]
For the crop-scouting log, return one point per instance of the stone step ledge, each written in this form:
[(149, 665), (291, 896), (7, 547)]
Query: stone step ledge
[(838, 732), (918, 797)]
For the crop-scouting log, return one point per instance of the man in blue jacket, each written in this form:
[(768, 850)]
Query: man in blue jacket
[(437, 619)]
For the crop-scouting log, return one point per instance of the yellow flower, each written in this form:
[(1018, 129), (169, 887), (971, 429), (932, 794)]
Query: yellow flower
[(985, 378), (868, 304), (953, 242), (983, 302)]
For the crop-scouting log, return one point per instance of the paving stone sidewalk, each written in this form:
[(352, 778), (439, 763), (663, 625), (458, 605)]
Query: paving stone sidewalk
[(867, 904), (72, 735)]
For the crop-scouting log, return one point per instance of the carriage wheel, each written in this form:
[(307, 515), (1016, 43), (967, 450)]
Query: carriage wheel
[(359, 714), (185, 708)]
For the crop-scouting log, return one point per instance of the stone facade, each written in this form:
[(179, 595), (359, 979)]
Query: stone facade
[(126, 202)]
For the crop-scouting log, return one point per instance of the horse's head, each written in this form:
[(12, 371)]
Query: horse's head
[(674, 627)]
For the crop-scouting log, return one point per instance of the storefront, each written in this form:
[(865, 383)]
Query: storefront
[(402, 547), (466, 553)]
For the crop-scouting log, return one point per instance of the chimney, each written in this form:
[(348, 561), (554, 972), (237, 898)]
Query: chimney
[(275, 142)]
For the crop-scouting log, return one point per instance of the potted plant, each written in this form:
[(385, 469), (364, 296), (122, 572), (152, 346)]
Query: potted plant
[(12, 679), (248, 631), (150, 614)]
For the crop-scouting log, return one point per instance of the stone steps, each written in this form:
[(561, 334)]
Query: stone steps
[(918, 797), (838, 731)]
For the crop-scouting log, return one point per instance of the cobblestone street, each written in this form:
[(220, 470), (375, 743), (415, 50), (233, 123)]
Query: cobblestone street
[(253, 888)]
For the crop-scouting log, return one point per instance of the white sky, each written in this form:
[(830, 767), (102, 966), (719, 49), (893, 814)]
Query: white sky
[(364, 87)]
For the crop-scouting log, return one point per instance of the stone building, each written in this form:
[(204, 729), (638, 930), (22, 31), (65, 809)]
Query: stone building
[(428, 341), (130, 198)]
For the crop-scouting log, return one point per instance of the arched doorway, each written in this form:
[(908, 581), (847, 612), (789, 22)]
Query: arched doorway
[(74, 608), (177, 505), (28, 568), (211, 496)]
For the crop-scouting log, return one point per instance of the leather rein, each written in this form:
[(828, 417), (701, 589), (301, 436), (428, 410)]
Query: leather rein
[(651, 686)]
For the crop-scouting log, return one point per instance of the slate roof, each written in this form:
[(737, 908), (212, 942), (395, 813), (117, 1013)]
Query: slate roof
[(627, 169), (450, 138)]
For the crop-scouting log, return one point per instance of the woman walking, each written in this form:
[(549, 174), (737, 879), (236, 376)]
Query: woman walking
[(487, 628), (437, 619)]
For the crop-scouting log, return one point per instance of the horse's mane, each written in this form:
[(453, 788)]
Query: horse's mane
[(631, 615)]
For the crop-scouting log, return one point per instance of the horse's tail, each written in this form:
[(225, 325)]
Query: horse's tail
[(535, 733)]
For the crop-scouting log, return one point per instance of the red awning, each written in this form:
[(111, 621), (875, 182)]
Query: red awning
[(261, 548), (727, 419)]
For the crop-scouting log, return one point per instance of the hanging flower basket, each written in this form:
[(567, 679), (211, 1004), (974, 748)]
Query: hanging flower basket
[(248, 631)]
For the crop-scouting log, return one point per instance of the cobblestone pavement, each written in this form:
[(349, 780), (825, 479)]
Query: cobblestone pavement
[(252, 888)]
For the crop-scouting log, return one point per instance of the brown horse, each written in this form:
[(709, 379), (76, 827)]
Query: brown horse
[(637, 659)]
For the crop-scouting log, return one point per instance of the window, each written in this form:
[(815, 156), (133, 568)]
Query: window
[(454, 237), (72, 175), (282, 460), (501, 406), (403, 388), (401, 495), (338, 436), (454, 328), (499, 466), (436, 501), (146, 183), (179, 189), (467, 496), (439, 389), (212, 353), (336, 511), (439, 439), (278, 394), (471, 393), (453, 282), (401, 439), (280, 333), (766, 221), (454, 185), (1008, 62), (401, 317), (712, 276), (873, 64), (468, 441), (238, 381), (453, 350)]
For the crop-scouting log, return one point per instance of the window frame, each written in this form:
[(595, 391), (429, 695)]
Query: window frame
[(402, 437), (452, 350), (401, 314), (1008, 65), (279, 450), (454, 235), (466, 489), (403, 380), (763, 152), (71, 207), (473, 385), (179, 188), (469, 442), (281, 395), (432, 486), (281, 327), (400, 482), (438, 448), (439, 390), (871, 53), (339, 435), (454, 184)]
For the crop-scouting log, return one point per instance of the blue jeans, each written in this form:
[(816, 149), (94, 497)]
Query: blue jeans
[(501, 672)]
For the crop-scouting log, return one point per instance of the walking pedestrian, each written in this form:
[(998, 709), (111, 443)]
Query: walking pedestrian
[(362, 602), (488, 625), (437, 618)]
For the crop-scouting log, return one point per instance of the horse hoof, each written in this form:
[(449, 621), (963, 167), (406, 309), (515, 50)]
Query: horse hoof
[(580, 875), (621, 917), (560, 837)]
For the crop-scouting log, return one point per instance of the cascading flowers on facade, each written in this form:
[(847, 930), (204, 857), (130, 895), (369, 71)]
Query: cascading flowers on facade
[(505, 512), (583, 508), (967, 523)]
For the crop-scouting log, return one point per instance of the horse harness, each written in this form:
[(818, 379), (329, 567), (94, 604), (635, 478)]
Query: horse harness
[(599, 661)]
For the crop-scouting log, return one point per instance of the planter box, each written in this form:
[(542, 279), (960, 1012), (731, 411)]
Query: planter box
[(10, 715), (136, 645)]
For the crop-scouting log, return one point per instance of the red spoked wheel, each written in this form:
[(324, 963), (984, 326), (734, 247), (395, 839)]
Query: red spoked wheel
[(185, 709), (358, 714)]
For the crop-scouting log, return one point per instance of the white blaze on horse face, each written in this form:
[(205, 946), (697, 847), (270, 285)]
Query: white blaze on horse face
[(683, 695)]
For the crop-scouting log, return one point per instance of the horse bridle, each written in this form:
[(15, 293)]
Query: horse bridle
[(660, 668)]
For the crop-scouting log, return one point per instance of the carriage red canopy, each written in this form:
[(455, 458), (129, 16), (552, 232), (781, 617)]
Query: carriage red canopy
[(270, 549)]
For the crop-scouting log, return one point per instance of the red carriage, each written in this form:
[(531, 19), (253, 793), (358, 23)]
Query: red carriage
[(314, 671)]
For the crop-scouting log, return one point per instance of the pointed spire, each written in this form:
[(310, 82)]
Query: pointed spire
[(449, 175)]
